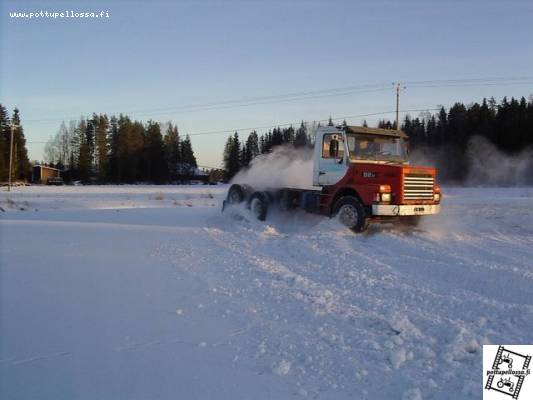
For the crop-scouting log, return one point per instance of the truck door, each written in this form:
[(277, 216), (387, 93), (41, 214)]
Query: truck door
[(332, 163)]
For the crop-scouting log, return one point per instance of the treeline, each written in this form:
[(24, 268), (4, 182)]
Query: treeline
[(238, 155), (21, 169), (118, 149), (444, 138), (103, 149)]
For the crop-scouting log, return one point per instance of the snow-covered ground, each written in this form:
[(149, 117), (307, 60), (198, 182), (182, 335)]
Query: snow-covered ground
[(144, 292)]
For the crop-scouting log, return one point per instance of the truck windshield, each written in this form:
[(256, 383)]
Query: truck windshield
[(374, 147)]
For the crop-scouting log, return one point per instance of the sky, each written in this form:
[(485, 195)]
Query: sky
[(152, 59)]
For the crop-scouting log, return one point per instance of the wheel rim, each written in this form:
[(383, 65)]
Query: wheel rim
[(257, 207), (348, 215)]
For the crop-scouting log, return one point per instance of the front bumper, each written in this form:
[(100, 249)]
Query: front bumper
[(399, 210)]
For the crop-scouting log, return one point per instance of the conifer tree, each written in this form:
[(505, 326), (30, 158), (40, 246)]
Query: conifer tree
[(262, 144), (172, 151), (244, 158), (4, 144), (442, 126), (268, 142), (288, 135), (252, 148), (277, 137), (156, 169), (300, 139), (232, 160), (101, 146), (128, 142), (113, 171), (84, 160), (188, 160), (21, 163)]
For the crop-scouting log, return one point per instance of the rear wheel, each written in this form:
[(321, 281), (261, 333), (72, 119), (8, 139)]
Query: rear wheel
[(259, 205), (235, 194), (351, 213)]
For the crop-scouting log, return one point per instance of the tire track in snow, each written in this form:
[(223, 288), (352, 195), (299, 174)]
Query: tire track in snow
[(459, 341)]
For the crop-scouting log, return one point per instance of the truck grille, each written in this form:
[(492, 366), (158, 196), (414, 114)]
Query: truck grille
[(418, 187)]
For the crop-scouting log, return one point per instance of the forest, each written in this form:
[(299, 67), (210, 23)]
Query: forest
[(121, 150), (103, 149)]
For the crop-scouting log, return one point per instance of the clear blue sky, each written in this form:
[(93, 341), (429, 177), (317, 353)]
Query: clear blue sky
[(164, 54)]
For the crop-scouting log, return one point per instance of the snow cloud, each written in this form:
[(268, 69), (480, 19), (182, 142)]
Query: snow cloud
[(482, 162), (489, 166), (285, 166)]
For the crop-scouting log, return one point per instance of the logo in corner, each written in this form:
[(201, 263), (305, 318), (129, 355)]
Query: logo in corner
[(507, 371)]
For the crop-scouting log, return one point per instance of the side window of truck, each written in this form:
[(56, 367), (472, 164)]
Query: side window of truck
[(332, 147)]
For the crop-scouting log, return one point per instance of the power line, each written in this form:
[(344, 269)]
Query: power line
[(320, 120), (313, 94), (493, 79), (231, 104), (253, 100), (248, 101), (349, 92), (473, 84)]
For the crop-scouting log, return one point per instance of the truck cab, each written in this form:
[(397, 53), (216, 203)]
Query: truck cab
[(371, 166)]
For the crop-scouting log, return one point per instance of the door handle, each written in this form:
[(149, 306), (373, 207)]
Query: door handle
[(321, 173)]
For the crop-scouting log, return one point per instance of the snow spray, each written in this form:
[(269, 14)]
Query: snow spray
[(491, 167), (285, 166)]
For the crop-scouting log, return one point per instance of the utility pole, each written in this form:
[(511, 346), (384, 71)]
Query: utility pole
[(13, 126), (398, 87)]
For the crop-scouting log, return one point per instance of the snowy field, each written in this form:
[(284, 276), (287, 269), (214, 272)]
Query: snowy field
[(147, 292)]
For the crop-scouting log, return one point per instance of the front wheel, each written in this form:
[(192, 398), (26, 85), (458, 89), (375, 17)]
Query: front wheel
[(351, 213)]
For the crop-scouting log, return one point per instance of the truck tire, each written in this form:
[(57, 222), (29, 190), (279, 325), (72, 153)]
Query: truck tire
[(351, 213), (236, 194), (258, 204)]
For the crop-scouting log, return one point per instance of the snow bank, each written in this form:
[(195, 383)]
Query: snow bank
[(94, 197)]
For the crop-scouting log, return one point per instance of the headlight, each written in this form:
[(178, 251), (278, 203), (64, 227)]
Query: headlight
[(386, 197), (436, 196)]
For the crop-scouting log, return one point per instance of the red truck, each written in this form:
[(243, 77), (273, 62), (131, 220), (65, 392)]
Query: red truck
[(360, 175)]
